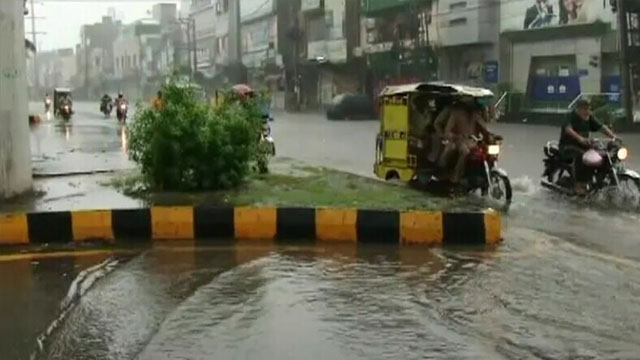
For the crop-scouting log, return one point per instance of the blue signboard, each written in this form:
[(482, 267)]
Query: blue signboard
[(491, 72)]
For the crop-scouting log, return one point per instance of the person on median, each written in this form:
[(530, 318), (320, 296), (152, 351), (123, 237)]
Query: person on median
[(158, 102)]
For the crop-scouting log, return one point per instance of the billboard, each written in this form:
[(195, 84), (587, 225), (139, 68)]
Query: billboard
[(535, 14)]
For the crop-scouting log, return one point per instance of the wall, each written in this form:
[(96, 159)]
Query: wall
[(15, 153), (458, 24), (582, 48), (125, 50), (259, 41), (205, 33), (465, 64)]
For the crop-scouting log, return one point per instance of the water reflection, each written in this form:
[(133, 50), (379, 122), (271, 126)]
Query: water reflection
[(123, 133), (262, 300)]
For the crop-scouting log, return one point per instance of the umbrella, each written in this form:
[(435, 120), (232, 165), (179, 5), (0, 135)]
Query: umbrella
[(242, 89)]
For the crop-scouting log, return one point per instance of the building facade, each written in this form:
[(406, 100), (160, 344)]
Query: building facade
[(551, 53), (259, 41), (56, 69), (397, 43), (331, 32), (468, 41)]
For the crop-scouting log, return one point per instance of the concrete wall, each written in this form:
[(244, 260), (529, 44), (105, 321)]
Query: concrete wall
[(467, 22), (583, 48), (464, 63), (15, 153)]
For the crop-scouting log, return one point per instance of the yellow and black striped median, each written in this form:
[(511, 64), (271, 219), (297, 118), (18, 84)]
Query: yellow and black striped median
[(260, 223)]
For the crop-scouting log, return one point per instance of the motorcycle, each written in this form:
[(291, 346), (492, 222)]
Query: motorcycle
[(106, 108), (65, 112), (47, 105), (605, 159), (121, 113), (481, 173)]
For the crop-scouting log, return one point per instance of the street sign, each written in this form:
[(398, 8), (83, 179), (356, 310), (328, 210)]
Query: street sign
[(491, 72)]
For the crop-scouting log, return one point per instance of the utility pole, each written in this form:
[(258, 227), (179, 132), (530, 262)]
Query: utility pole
[(194, 48), (625, 74), (192, 56), (36, 77), (85, 45)]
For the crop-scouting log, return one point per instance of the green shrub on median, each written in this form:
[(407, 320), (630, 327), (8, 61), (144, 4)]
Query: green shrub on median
[(191, 145)]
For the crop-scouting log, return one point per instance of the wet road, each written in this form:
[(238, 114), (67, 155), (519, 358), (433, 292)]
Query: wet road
[(530, 298), (565, 284)]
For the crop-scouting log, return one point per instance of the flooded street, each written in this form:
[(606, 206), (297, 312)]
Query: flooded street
[(565, 284), (533, 297)]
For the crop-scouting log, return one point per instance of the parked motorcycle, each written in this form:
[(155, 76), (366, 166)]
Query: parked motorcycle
[(605, 159), (121, 112), (481, 172)]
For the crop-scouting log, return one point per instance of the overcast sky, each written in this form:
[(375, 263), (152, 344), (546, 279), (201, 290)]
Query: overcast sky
[(63, 18)]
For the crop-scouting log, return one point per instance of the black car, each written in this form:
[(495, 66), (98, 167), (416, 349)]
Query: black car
[(351, 106)]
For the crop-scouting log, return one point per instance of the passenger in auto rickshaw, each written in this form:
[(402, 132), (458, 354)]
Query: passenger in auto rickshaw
[(443, 111), (467, 120)]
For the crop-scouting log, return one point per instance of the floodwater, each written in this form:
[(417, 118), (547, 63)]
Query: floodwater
[(564, 285), (532, 297)]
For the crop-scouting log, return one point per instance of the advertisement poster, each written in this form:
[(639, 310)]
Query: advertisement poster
[(535, 14)]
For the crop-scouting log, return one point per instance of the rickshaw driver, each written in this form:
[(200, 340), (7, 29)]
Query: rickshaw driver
[(465, 121)]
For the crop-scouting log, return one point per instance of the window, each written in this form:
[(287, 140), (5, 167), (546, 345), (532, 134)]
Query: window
[(458, 5), (221, 44), (458, 22)]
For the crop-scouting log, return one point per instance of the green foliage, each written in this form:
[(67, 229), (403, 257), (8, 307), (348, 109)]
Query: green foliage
[(190, 145), (606, 110)]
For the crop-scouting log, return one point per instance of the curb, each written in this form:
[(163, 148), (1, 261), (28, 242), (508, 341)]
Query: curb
[(260, 223)]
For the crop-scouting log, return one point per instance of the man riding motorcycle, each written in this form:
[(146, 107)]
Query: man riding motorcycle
[(47, 102), (574, 140), (65, 101), (106, 104), (119, 102)]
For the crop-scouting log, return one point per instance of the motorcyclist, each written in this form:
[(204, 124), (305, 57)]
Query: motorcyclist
[(121, 99), (106, 99), (47, 102), (574, 140), (105, 102), (66, 101)]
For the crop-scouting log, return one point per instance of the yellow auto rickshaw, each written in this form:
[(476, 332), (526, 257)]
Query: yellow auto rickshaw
[(59, 109), (407, 115)]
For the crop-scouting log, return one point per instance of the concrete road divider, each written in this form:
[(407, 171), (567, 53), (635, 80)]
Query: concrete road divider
[(259, 223)]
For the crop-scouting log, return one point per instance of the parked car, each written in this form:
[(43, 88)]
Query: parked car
[(351, 106)]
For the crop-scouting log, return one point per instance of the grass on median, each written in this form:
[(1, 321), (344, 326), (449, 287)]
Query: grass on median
[(298, 186)]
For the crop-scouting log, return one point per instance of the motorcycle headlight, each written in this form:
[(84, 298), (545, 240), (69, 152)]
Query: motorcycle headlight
[(623, 153), (493, 150)]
